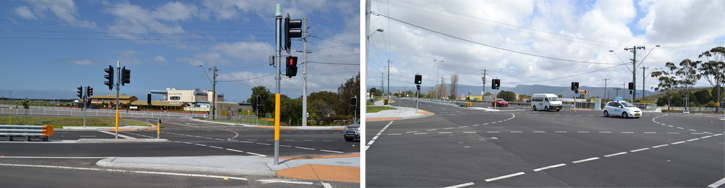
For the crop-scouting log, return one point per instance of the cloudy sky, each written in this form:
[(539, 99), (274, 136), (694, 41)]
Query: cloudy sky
[(50, 47), (537, 42)]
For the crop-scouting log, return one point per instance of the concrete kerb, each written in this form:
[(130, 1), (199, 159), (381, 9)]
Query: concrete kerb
[(399, 113), (282, 127), (222, 165)]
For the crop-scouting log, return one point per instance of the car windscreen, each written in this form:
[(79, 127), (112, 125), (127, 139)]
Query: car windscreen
[(626, 104), (553, 98)]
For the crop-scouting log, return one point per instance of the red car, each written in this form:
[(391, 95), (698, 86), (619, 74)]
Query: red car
[(500, 102)]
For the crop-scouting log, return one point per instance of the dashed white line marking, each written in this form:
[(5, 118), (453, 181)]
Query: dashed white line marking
[(680, 128), (673, 133), (560, 131), (716, 134), (326, 185), (431, 130), (516, 131), (395, 134), (638, 150), (539, 131), (690, 140), (200, 145), (228, 149), (257, 154), (549, 167), (215, 147), (717, 183), (692, 130), (582, 131), (492, 131), (461, 185), (331, 151), (675, 143), (615, 154), (705, 137), (585, 160), (650, 132), (285, 181), (263, 144), (448, 128), (444, 132), (697, 133), (504, 177), (304, 148), (126, 171), (420, 133), (659, 146), (605, 131), (376, 136), (627, 132), (473, 132)]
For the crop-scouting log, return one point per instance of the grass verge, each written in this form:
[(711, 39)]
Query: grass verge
[(60, 122), (373, 109)]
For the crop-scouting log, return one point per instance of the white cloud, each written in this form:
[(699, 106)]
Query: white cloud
[(690, 21), (81, 62), (24, 12), (159, 59), (174, 11), (63, 9), (134, 22), (245, 50)]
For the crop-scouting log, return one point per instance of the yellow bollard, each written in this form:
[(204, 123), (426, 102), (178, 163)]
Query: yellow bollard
[(158, 129), (11, 116)]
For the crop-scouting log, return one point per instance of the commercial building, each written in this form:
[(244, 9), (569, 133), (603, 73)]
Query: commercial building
[(195, 100), (105, 100)]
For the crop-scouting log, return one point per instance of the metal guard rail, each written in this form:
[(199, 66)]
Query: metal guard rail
[(29, 131)]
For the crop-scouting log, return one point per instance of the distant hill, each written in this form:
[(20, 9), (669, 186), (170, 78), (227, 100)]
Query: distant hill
[(531, 89)]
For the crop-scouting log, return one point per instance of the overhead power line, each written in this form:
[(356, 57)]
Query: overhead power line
[(488, 45), (242, 80), (330, 63)]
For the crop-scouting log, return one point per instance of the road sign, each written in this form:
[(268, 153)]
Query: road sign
[(577, 95), (643, 101), (718, 104)]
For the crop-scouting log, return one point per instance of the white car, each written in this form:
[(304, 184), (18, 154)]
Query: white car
[(622, 109)]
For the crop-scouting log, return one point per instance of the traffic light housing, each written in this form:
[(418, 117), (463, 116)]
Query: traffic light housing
[(89, 91), (293, 29), (418, 87), (125, 76), (109, 77), (353, 101), (496, 84), (80, 91), (291, 66), (418, 79), (630, 86), (574, 85), (148, 101)]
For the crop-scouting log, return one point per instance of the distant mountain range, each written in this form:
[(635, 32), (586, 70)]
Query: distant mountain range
[(531, 89)]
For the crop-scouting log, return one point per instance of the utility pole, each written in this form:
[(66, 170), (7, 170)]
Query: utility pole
[(213, 90), (643, 77), (382, 82), (438, 86), (606, 92), (278, 78), (634, 68), (483, 92), (304, 74), (118, 84), (388, 78)]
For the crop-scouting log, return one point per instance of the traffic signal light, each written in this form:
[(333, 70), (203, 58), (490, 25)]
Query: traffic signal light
[(259, 101), (80, 91), (125, 76), (293, 29), (109, 77), (89, 91), (148, 97), (418, 86), (574, 85), (496, 84), (630, 86), (291, 66), (353, 101), (418, 79)]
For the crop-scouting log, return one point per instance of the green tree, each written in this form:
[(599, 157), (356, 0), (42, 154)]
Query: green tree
[(345, 92), (321, 105), (713, 70), (507, 95), (267, 100), (702, 96), (291, 110)]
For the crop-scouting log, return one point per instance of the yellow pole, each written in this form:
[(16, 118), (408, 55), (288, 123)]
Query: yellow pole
[(11, 116), (158, 129), (276, 116), (116, 119)]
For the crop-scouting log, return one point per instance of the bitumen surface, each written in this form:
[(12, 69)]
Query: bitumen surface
[(518, 147), (187, 151)]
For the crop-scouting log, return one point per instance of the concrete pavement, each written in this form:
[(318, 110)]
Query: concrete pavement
[(399, 113)]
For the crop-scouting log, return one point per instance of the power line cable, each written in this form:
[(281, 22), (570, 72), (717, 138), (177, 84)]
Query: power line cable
[(248, 78)]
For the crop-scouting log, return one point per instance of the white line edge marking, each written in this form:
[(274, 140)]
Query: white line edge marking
[(694, 139), (376, 136), (304, 148), (638, 150), (615, 154), (504, 176), (124, 171), (460, 185), (119, 135), (717, 183), (257, 154), (659, 146), (285, 181), (331, 151), (549, 167), (585, 160), (326, 185), (675, 143), (228, 149)]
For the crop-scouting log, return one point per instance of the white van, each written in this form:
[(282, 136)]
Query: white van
[(541, 101)]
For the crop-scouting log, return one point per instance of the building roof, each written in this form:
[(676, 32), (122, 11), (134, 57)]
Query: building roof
[(122, 96), (157, 103)]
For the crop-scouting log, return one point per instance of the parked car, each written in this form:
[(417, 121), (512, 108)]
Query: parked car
[(500, 102), (622, 109), (352, 132)]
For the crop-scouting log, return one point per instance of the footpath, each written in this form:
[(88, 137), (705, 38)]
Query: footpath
[(397, 114)]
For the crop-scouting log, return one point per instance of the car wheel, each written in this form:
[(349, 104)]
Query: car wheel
[(546, 108), (557, 110), (534, 108), (624, 115), (348, 139), (606, 114)]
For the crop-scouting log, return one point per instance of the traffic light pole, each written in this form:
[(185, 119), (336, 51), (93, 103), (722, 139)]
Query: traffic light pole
[(118, 84), (417, 95), (304, 75), (278, 78), (84, 109)]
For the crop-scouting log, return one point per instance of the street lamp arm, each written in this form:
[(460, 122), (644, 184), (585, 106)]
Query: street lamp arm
[(207, 74), (645, 57)]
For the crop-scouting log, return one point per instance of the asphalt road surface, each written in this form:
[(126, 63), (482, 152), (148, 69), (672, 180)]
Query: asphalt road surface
[(58, 164), (518, 147)]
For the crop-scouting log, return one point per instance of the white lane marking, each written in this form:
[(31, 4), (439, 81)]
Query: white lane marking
[(659, 146), (615, 154), (650, 132), (705, 137), (485, 124), (448, 128), (125, 171), (326, 185), (516, 131), (638, 150), (539, 131), (627, 132), (331, 151), (285, 181), (680, 128), (215, 147), (692, 130), (201, 145), (395, 134), (462, 126), (304, 148), (697, 133), (549, 167), (444, 132), (582, 131), (504, 177), (474, 132), (717, 183), (411, 131), (376, 136), (234, 150), (716, 134), (492, 132), (219, 139), (560, 131), (675, 143), (420, 133), (263, 144), (673, 133), (431, 130), (257, 154), (119, 135), (605, 131), (585, 160), (242, 141), (690, 140), (460, 185)]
